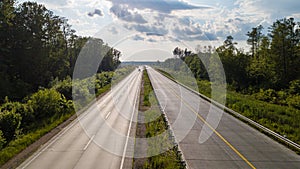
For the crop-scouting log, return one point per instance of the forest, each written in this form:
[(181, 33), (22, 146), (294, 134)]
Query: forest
[(38, 52), (271, 65), (37, 47)]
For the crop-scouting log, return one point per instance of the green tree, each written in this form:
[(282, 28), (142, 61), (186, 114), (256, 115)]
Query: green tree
[(261, 69), (234, 62), (9, 124), (254, 40), (284, 50), (36, 47)]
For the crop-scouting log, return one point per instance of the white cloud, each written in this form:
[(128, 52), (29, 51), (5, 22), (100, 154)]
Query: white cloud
[(174, 20)]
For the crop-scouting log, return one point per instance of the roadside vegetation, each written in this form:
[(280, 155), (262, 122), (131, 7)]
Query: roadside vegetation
[(263, 84), (38, 52), (156, 124), (22, 123)]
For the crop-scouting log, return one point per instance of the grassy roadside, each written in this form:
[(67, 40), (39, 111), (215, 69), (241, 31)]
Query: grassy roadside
[(23, 140), (156, 124), (278, 118)]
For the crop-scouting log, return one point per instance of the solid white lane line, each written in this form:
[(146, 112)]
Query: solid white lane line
[(128, 132), (55, 138), (87, 145), (108, 114), (72, 124)]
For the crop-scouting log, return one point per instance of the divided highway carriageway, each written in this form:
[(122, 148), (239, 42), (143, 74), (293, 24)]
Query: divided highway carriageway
[(91, 141)]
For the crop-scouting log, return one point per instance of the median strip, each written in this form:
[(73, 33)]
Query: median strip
[(156, 124)]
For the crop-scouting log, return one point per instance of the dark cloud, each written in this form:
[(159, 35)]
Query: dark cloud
[(96, 12), (153, 34), (148, 29), (163, 6), (123, 13), (235, 20), (192, 34), (152, 40), (138, 38)]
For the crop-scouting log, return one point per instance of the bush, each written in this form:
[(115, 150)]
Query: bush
[(24, 110), (294, 101), (204, 87), (9, 124), (47, 103), (268, 95), (2, 140), (285, 98), (294, 87), (64, 87), (34, 129), (281, 97)]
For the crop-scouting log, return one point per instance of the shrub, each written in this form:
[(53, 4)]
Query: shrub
[(294, 101), (65, 87), (2, 140), (294, 87), (24, 110), (268, 95), (9, 124), (281, 97), (204, 87), (47, 103)]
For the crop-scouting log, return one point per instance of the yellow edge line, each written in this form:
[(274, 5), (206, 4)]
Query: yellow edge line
[(217, 133)]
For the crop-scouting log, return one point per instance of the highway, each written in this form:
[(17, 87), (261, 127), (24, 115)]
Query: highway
[(99, 138), (233, 144)]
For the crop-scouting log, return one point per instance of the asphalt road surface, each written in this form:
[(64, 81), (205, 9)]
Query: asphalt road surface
[(233, 144), (98, 138)]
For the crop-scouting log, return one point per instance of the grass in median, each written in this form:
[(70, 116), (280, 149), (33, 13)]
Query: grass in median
[(156, 125)]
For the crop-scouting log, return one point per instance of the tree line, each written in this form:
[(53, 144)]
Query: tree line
[(38, 52), (272, 62), (37, 46)]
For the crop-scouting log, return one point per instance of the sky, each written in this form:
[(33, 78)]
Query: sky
[(151, 29)]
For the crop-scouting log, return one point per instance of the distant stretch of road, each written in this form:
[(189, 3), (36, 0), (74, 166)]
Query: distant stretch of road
[(98, 138), (233, 143)]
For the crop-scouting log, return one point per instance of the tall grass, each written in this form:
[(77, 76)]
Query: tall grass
[(156, 125), (23, 141)]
